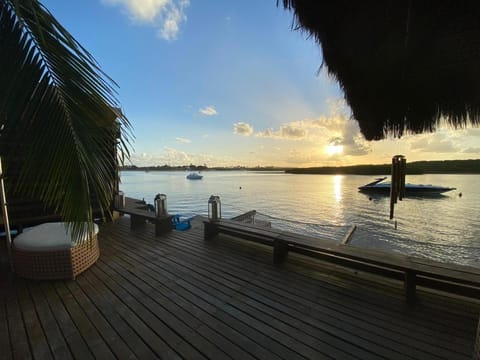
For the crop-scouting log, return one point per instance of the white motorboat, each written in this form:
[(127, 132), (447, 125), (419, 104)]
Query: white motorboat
[(194, 176)]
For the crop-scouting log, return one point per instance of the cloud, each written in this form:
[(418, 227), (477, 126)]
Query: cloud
[(183, 140), (243, 129), (439, 142), (208, 111), (472, 150), (336, 141), (334, 129), (164, 15), (174, 157), (353, 142), (288, 131)]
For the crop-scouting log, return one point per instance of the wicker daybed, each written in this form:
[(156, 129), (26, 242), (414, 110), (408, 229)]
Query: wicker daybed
[(46, 252)]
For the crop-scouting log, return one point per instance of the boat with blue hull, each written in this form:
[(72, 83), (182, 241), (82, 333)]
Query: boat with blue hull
[(380, 187)]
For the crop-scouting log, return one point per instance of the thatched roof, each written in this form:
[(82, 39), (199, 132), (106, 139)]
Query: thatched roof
[(403, 65)]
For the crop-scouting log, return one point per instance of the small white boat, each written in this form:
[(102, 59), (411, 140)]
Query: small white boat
[(194, 176), (379, 187)]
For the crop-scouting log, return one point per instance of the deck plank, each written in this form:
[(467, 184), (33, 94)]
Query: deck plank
[(354, 306), (108, 306), (114, 342), (367, 334), (168, 341), (408, 339), (204, 311), (85, 327), (220, 304), (220, 299), (53, 334), (300, 337), (77, 345), (35, 334), (4, 328), (241, 321), (18, 336), (173, 315), (155, 342), (178, 296), (300, 282)]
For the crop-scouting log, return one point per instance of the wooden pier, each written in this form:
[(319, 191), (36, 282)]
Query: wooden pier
[(177, 296)]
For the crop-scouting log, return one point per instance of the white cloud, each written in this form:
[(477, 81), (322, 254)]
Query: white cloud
[(243, 129), (472, 150), (337, 128), (208, 111), (439, 142), (171, 25), (353, 142), (164, 15), (174, 157), (183, 140), (293, 131)]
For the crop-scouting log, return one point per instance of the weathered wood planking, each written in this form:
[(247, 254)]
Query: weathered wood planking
[(185, 298), (456, 279)]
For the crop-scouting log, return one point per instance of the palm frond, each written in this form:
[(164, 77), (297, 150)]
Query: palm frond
[(58, 115)]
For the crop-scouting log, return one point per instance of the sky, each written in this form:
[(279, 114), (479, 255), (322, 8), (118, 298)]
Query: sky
[(229, 83)]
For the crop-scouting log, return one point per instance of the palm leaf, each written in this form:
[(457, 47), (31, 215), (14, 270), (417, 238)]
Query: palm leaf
[(58, 114)]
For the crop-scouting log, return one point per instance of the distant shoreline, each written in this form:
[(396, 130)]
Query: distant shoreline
[(413, 168)]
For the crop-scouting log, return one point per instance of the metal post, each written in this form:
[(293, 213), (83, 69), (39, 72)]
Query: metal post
[(161, 205), (214, 208), (6, 223), (397, 184)]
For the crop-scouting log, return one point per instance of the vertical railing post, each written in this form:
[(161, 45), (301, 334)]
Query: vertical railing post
[(397, 184), (6, 222)]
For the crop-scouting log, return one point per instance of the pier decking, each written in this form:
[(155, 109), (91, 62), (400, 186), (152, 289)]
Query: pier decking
[(176, 296)]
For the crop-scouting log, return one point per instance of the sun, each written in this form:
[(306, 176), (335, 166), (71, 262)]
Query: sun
[(334, 149)]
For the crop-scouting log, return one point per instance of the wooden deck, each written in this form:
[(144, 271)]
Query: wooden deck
[(176, 296)]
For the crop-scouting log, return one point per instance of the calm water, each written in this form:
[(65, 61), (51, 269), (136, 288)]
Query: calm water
[(444, 228)]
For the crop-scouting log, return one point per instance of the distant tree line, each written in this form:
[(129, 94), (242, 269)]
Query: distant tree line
[(164, 168), (192, 167), (416, 167)]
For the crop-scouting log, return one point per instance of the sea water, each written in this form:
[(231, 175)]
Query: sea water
[(444, 228)]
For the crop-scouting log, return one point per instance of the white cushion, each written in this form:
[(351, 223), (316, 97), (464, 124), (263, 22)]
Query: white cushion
[(46, 237)]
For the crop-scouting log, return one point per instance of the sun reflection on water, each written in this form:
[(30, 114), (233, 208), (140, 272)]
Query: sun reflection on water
[(337, 187)]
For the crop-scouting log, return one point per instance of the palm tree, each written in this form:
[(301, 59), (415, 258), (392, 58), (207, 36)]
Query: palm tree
[(58, 115)]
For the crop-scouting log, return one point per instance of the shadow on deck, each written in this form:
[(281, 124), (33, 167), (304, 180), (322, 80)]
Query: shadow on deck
[(176, 296)]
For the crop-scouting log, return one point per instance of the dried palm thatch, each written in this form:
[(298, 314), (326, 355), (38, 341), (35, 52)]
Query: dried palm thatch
[(403, 65)]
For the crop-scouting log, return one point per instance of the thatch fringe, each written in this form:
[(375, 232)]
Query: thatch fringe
[(403, 65)]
